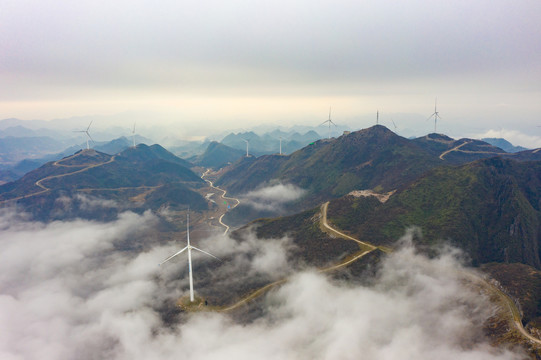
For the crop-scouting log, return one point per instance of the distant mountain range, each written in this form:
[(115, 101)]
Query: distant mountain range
[(504, 144), (218, 155), (269, 143)]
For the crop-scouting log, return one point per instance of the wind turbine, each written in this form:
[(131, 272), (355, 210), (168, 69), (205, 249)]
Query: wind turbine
[(436, 114), (133, 135), (280, 145), (394, 125), (329, 121), (247, 145), (87, 134), (189, 248), (377, 117)]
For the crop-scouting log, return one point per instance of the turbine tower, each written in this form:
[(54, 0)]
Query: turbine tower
[(88, 137), (436, 115), (247, 145), (329, 121), (189, 248), (377, 117), (133, 135), (280, 145)]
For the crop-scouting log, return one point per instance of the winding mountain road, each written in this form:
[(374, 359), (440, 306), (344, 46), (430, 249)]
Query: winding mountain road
[(453, 149), (39, 183), (365, 249), (223, 197), (457, 148)]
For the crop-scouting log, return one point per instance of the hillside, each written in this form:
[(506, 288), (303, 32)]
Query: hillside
[(458, 151), (218, 155), (370, 158), (145, 177), (373, 158), (15, 149), (489, 208)]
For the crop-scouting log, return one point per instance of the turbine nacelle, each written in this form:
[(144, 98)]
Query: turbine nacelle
[(87, 135)]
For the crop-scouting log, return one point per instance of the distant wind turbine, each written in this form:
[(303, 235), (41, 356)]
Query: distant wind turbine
[(394, 125), (330, 122), (247, 146), (133, 134), (87, 134), (377, 117), (436, 115), (189, 248), (280, 145)]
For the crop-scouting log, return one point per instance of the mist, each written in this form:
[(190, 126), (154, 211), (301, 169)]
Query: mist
[(273, 198), (67, 292)]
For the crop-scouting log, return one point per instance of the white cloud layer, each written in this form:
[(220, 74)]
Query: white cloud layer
[(67, 294), (272, 198)]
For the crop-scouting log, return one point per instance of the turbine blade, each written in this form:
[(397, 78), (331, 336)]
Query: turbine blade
[(90, 137), (172, 256), (324, 122), (430, 117), (88, 128), (204, 252)]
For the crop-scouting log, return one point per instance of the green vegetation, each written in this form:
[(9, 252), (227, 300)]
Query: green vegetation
[(489, 208)]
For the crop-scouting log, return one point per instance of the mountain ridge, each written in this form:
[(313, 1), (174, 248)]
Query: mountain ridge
[(145, 170)]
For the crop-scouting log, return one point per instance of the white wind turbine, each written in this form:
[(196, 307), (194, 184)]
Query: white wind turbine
[(330, 122), (247, 145), (377, 117), (436, 115), (280, 145), (189, 248), (87, 134)]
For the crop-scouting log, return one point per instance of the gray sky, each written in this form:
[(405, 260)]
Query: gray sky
[(239, 63)]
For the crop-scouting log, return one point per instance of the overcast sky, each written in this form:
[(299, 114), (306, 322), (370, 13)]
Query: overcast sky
[(241, 62)]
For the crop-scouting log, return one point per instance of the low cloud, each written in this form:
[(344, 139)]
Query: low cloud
[(83, 205), (252, 256), (92, 202), (273, 198), (66, 292)]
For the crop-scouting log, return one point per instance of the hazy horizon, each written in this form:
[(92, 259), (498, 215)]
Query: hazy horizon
[(206, 65)]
